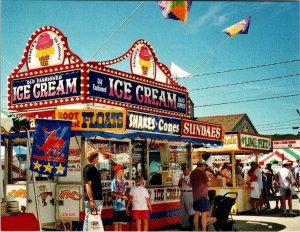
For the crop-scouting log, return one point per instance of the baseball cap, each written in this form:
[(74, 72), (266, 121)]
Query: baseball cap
[(286, 162), (119, 167), (200, 163), (184, 166)]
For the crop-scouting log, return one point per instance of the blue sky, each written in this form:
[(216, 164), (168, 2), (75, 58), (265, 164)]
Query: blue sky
[(273, 37)]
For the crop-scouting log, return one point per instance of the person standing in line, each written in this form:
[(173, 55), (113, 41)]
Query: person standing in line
[(141, 204), (186, 196), (296, 167), (226, 172), (245, 171), (270, 177), (118, 193), (254, 194), (257, 176), (286, 183), (276, 185), (92, 186), (201, 204)]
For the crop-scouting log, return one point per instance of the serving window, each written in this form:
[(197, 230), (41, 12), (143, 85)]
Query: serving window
[(111, 153), (165, 160)]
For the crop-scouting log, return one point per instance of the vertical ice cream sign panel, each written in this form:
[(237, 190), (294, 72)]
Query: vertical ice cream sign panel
[(45, 50), (142, 62)]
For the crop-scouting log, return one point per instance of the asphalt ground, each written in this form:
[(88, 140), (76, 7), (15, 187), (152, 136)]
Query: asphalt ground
[(265, 220)]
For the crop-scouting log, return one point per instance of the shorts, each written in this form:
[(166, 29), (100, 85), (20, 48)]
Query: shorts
[(201, 205), (285, 192), (119, 217), (140, 214)]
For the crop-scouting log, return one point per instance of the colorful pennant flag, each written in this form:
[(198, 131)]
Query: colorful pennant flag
[(238, 28), (50, 148), (177, 10)]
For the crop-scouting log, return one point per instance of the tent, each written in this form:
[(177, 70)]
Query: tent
[(10, 123), (291, 153), (271, 157)]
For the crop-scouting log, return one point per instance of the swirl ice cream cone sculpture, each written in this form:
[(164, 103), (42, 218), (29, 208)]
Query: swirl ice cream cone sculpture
[(44, 49), (145, 60)]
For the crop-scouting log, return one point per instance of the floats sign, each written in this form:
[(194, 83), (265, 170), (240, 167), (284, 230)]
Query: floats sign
[(201, 130), (95, 120), (153, 123), (46, 87), (255, 142), (136, 95)]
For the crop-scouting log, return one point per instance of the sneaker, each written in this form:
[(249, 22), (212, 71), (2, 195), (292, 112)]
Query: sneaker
[(292, 212), (284, 211)]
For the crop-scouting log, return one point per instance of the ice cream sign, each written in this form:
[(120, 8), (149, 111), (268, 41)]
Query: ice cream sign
[(254, 142), (134, 94), (45, 50), (142, 62)]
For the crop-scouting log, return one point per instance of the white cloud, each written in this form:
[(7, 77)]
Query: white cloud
[(212, 17)]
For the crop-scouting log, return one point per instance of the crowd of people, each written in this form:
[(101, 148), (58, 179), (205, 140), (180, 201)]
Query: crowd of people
[(262, 183), (195, 204)]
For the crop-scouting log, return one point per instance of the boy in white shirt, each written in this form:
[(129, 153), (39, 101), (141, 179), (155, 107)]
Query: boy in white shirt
[(141, 204)]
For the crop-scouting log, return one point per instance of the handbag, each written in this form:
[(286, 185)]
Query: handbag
[(95, 221)]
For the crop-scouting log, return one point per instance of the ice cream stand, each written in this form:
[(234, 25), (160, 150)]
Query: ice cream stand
[(138, 118), (235, 144)]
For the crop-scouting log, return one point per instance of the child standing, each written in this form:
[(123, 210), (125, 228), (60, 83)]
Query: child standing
[(255, 193), (276, 186), (141, 204), (118, 190)]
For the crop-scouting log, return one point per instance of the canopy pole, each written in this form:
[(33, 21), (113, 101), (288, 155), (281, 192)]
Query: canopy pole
[(34, 180), (233, 168)]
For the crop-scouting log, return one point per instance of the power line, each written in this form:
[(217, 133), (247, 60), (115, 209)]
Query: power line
[(246, 82), (116, 31), (277, 122), (249, 100), (279, 125), (282, 128), (246, 68), (7, 61), (243, 91)]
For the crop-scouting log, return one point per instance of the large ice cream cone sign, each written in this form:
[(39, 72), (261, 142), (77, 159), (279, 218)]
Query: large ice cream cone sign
[(44, 49), (145, 60)]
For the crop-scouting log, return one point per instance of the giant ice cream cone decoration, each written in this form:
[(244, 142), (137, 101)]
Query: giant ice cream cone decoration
[(145, 60), (44, 49)]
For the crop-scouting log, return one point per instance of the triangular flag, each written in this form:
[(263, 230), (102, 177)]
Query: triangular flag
[(178, 72), (238, 28)]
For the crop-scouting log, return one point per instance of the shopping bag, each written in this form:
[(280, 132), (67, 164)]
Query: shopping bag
[(95, 221)]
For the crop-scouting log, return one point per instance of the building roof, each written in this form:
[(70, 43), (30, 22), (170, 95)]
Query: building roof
[(229, 122)]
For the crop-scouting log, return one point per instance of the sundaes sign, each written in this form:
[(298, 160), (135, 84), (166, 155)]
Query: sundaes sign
[(201, 130)]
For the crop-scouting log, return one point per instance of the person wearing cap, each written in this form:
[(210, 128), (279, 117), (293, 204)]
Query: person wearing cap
[(186, 196), (226, 172), (286, 184), (118, 193), (92, 186), (201, 204)]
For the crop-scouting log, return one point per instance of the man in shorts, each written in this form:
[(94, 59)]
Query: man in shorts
[(285, 180), (201, 204)]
